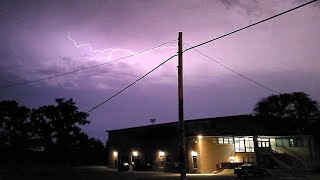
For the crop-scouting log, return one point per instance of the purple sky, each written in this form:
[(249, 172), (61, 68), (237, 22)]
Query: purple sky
[(282, 54)]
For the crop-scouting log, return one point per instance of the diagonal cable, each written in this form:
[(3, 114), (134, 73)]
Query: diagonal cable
[(82, 69), (95, 107), (269, 18), (245, 77)]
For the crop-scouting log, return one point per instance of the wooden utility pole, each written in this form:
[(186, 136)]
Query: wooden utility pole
[(182, 141)]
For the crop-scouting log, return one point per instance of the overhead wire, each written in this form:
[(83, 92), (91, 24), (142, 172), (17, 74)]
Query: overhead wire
[(83, 69), (230, 69), (119, 92), (256, 23)]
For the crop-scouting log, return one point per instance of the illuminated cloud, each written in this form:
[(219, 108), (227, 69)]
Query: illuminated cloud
[(282, 53)]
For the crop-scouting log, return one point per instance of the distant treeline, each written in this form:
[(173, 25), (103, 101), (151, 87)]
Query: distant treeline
[(49, 135)]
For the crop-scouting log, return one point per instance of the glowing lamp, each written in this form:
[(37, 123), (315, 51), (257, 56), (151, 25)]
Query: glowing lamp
[(115, 153), (231, 159), (135, 153), (200, 137), (161, 153), (193, 153)]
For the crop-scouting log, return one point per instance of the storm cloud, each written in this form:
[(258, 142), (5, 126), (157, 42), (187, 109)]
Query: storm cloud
[(282, 54)]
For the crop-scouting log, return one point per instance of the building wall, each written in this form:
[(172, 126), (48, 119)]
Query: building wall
[(210, 154), (147, 142), (112, 158), (193, 146)]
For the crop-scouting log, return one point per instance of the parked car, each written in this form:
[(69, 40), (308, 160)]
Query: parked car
[(250, 170), (124, 166)]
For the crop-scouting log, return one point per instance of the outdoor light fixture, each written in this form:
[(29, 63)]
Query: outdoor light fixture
[(231, 159), (200, 137), (135, 153), (161, 153), (193, 153), (115, 153)]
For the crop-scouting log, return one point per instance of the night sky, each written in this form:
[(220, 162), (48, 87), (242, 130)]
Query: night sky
[(282, 54)]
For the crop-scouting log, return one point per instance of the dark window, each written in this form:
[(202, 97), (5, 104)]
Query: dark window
[(251, 160), (248, 160), (168, 158), (289, 142), (299, 142)]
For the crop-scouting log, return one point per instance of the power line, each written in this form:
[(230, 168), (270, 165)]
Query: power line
[(250, 25), (130, 84), (247, 78), (83, 69)]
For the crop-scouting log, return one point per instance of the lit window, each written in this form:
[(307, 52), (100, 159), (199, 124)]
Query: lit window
[(291, 143), (273, 142), (228, 140), (215, 140), (243, 144), (263, 142)]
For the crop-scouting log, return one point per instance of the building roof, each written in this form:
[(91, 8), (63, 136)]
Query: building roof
[(219, 126), (186, 122)]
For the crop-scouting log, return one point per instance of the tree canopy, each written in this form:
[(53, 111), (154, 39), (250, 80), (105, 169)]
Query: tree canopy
[(15, 126), (297, 107), (53, 129)]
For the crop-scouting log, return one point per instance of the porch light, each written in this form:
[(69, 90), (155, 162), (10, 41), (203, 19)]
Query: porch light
[(231, 159), (193, 153), (115, 153), (135, 153), (161, 153)]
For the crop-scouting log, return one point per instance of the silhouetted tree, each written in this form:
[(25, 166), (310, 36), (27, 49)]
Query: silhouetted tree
[(58, 127), (42, 128), (297, 107), (97, 151), (15, 127), (15, 136), (48, 131), (88, 150)]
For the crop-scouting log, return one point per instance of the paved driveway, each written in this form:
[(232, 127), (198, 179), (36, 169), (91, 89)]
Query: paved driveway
[(103, 173)]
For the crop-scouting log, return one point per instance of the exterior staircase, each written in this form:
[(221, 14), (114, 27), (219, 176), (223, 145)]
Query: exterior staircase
[(285, 160)]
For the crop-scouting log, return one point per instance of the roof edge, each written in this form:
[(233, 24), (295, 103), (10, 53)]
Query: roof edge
[(189, 120)]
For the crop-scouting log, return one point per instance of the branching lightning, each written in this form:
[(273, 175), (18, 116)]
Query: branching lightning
[(99, 53)]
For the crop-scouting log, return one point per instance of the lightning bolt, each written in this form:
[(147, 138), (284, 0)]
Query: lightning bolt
[(110, 51)]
